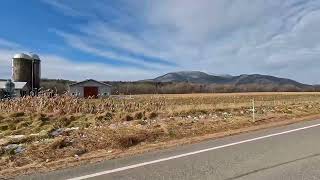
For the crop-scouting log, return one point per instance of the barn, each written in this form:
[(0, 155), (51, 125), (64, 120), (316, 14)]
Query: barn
[(90, 88), (20, 89)]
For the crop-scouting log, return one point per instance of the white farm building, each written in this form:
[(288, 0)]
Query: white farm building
[(90, 88)]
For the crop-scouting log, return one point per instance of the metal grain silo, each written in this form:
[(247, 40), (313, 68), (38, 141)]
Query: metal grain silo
[(26, 68), (36, 69)]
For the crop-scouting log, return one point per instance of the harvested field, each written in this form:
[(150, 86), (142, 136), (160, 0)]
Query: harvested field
[(45, 132)]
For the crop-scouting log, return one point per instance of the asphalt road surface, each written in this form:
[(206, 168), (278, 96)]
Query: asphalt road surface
[(289, 152)]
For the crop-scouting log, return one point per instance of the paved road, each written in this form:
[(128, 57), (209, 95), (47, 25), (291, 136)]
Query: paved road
[(289, 152)]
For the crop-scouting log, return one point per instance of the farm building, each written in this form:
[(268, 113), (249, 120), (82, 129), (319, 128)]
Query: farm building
[(20, 88), (90, 88)]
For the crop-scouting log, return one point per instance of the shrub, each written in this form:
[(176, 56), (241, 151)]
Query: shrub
[(127, 118), (152, 115), (59, 143), (138, 115)]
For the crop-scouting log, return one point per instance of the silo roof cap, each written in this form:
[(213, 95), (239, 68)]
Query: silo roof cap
[(35, 56), (21, 56)]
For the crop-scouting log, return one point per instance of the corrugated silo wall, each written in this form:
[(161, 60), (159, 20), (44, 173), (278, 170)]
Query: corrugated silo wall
[(36, 74), (22, 70)]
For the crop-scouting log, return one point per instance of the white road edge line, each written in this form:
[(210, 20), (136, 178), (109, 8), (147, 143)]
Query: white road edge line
[(189, 154)]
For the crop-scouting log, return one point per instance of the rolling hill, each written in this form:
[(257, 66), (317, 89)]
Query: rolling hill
[(196, 82), (245, 79)]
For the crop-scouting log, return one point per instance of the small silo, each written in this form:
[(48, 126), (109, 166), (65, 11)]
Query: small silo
[(36, 71), (22, 68), (26, 68)]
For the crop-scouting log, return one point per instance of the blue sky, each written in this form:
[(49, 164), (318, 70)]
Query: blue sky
[(131, 40)]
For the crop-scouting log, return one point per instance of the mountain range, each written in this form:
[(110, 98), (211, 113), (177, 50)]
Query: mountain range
[(195, 82), (204, 78)]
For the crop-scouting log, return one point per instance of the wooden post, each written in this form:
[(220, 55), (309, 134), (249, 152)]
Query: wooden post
[(253, 111)]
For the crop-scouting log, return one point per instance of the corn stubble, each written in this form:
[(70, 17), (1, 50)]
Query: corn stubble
[(51, 128)]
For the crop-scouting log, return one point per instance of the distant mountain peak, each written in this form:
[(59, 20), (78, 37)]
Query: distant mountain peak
[(244, 79)]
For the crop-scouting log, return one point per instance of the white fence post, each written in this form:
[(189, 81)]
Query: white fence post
[(253, 111)]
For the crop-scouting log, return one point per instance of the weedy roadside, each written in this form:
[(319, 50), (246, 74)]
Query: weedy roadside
[(45, 129)]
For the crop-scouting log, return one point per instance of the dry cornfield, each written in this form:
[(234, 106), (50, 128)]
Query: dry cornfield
[(64, 127)]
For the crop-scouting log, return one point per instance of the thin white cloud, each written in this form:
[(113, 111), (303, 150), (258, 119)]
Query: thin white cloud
[(65, 8), (104, 34), (87, 45), (57, 67), (221, 36), (8, 44), (5, 63)]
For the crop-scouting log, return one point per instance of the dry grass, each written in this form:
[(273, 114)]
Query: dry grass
[(122, 122)]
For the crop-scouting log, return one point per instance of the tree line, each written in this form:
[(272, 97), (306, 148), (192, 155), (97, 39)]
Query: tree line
[(127, 88), (184, 88)]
